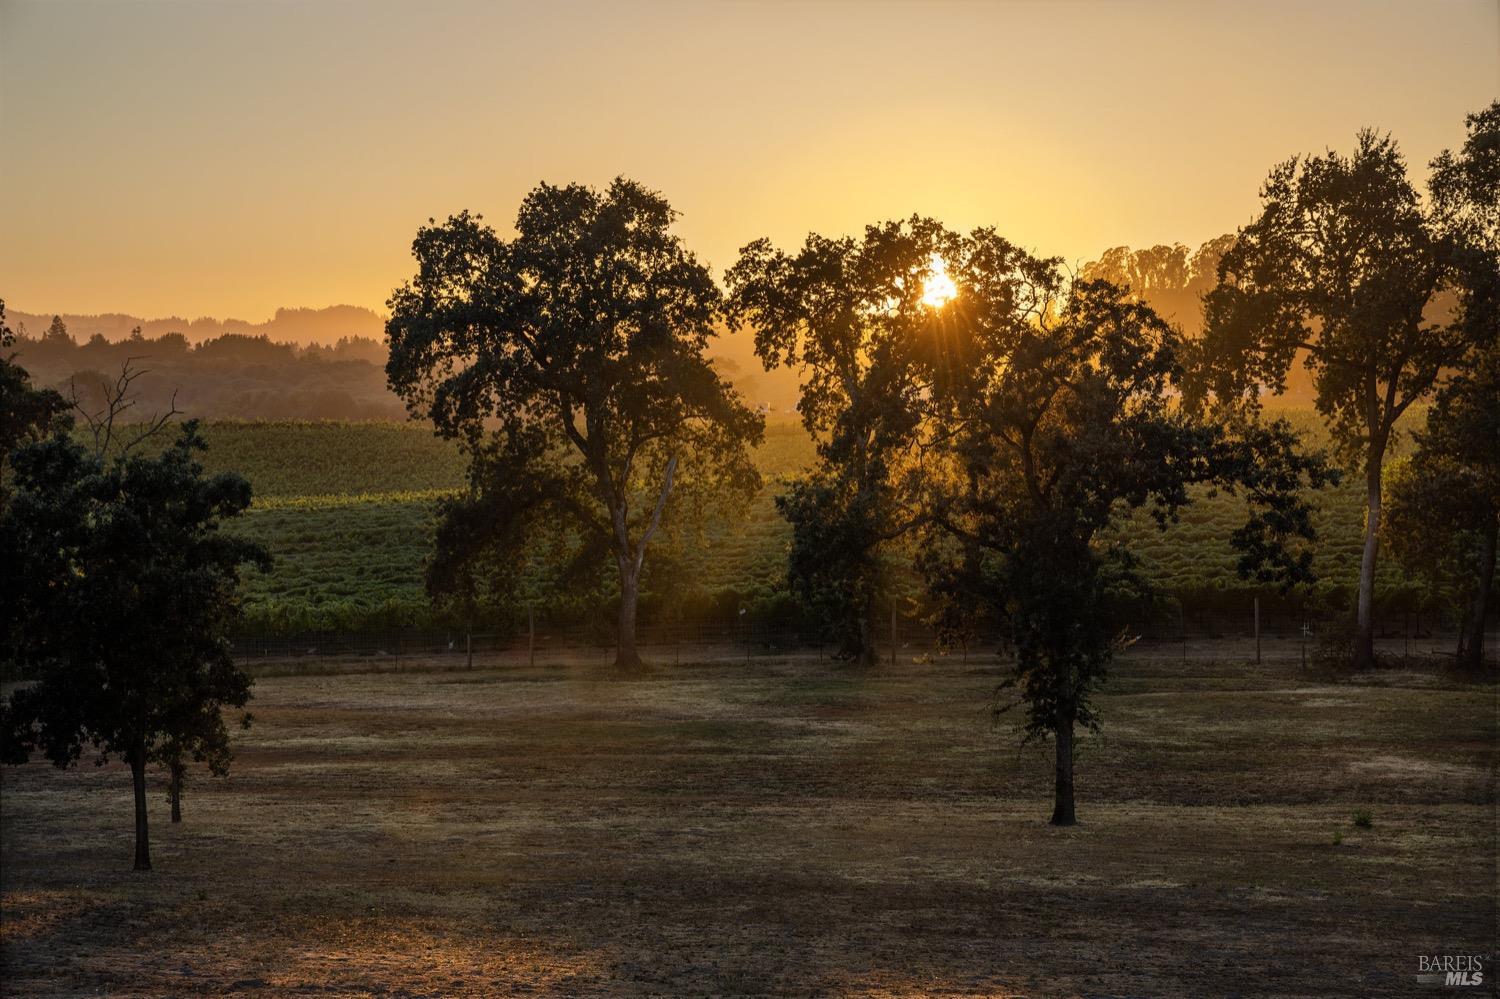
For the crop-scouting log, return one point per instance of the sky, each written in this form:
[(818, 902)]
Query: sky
[(225, 158)]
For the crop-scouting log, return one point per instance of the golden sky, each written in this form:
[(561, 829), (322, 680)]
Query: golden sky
[(226, 158)]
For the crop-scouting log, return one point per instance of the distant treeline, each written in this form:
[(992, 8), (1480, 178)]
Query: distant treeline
[(242, 376), (230, 376), (325, 326)]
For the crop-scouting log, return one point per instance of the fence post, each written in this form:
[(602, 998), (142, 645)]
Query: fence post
[(530, 635), (1257, 631), (469, 645)]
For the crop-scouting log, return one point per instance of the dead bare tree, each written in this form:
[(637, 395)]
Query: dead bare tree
[(104, 420)]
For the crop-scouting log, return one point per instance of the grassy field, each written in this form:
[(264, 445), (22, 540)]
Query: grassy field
[(781, 827), (346, 509)]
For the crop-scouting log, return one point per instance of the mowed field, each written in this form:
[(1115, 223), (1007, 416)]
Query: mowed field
[(347, 512), (783, 827)]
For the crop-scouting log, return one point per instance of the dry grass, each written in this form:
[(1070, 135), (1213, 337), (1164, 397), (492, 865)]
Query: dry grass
[(774, 828)]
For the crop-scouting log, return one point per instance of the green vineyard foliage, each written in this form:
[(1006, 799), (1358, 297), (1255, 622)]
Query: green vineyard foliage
[(347, 510)]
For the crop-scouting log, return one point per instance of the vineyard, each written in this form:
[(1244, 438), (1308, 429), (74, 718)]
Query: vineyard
[(347, 511)]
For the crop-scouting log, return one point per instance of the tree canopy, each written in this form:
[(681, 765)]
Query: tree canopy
[(845, 312), (27, 413)]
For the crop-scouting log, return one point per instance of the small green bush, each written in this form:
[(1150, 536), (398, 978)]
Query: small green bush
[(1363, 819)]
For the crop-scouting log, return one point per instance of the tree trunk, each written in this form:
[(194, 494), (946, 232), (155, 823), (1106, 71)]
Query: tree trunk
[(1471, 639), (866, 653), (1364, 638), (1062, 807), (626, 655), (174, 789), (629, 557), (142, 835)]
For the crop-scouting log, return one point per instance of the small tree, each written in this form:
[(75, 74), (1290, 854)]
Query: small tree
[(1055, 416), (1344, 266), (104, 416), (57, 331), (846, 313), (569, 363), (118, 592)]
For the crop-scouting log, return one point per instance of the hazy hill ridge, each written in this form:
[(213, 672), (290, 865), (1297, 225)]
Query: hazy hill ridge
[(323, 326)]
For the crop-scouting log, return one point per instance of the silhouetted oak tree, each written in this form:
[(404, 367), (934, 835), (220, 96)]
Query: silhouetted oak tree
[(1465, 194), (1344, 265), (1446, 498), (1056, 414), (118, 593), (569, 363), (845, 312)]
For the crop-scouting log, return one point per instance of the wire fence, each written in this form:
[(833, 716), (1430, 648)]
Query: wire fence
[(1272, 638)]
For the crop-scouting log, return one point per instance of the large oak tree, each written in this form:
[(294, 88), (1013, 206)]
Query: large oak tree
[(569, 363), (1345, 268), (1055, 413)]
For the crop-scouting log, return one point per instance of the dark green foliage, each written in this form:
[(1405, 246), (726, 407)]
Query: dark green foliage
[(831, 568), (119, 592), (1465, 196), (26, 413), (845, 313), (1444, 508)]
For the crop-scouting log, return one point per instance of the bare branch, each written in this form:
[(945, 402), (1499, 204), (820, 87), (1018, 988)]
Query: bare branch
[(118, 399)]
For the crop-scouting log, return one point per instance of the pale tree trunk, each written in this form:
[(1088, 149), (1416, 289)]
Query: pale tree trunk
[(626, 655), (1062, 807), (630, 558), (1364, 638), (142, 834), (1471, 639)]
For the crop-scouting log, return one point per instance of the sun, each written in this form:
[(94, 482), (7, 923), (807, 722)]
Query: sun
[(938, 288)]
